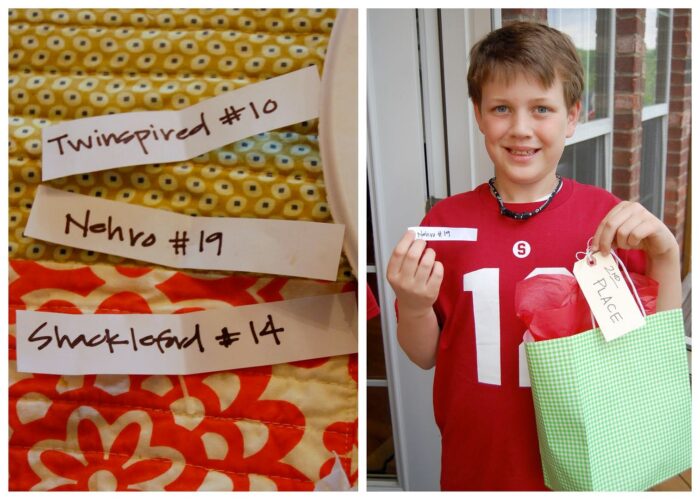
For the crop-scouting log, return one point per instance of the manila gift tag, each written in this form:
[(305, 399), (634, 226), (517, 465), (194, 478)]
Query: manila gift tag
[(608, 296)]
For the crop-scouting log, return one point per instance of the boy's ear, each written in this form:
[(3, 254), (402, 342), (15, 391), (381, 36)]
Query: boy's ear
[(572, 119)]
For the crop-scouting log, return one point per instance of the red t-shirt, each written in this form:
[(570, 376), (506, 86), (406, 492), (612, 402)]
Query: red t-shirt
[(482, 404)]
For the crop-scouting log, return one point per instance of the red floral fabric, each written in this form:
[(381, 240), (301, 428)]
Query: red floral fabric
[(272, 427)]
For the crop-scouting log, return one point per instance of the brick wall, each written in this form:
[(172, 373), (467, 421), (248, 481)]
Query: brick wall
[(629, 93), (678, 152)]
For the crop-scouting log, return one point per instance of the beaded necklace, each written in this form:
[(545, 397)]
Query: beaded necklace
[(523, 215)]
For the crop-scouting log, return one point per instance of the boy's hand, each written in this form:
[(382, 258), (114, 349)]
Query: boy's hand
[(414, 274), (630, 225)]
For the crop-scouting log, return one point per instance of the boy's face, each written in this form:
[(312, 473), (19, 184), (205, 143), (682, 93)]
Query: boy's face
[(525, 126)]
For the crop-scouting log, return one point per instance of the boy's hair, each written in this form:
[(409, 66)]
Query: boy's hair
[(530, 48)]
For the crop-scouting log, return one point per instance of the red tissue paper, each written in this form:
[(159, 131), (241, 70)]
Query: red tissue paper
[(553, 306)]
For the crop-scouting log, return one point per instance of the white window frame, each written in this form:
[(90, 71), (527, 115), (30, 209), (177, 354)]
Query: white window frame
[(433, 117), (655, 110)]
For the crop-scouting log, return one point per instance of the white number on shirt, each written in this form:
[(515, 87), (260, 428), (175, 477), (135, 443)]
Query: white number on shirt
[(484, 285)]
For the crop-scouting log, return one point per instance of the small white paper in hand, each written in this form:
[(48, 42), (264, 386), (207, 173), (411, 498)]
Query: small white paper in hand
[(444, 233)]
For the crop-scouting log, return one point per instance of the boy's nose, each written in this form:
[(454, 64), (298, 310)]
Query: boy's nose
[(521, 125)]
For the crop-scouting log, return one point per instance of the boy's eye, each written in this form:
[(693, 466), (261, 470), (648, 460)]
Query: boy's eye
[(501, 109), (542, 109)]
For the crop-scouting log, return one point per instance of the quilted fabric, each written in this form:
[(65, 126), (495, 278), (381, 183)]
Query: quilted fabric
[(68, 64), (271, 427)]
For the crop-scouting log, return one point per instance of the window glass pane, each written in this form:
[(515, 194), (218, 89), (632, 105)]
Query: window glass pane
[(650, 192), (590, 31), (585, 162), (381, 462), (656, 43)]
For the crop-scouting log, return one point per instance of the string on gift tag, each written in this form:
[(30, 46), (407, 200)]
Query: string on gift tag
[(588, 255)]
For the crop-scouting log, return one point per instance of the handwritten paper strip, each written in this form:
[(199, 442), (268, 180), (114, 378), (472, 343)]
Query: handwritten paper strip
[(291, 248), (120, 140), (444, 233), (197, 342)]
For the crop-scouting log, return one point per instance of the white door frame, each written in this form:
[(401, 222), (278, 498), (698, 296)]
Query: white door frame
[(397, 185), (406, 127)]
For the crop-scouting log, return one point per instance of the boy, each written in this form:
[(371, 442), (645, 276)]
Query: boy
[(455, 299)]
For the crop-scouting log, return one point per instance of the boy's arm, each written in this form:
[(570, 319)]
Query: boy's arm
[(415, 276), (630, 225), (418, 333), (666, 271)]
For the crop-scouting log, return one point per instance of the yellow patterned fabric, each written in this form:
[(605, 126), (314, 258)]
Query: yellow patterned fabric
[(69, 64)]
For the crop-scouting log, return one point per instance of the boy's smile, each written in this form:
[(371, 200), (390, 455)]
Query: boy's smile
[(525, 126)]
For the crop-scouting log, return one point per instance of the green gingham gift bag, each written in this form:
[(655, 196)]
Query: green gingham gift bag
[(613, 416)]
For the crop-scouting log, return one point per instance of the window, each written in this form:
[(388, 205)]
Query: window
[(590, 31), (657, 55), (585, 161), (651, 182), (587, 154)]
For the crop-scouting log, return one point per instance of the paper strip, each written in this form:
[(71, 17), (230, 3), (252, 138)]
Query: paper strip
[(444, 233), (197, 342), (292, 248), (120, 140)]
